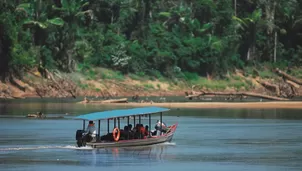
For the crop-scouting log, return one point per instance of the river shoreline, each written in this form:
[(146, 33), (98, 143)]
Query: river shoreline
[(183, 104), (210, 105)]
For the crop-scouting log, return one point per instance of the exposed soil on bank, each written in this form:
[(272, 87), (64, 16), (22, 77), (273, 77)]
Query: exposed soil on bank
[(77, 84), (108, 85)]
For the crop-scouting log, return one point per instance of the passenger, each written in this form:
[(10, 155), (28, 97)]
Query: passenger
[(125, 133), (125, 128), (131, 134), (130, 127), (158, 123), (141, 128), (107, 137), (146, 130), (136, 129), (90, 132), (142, 131), (160, 127)]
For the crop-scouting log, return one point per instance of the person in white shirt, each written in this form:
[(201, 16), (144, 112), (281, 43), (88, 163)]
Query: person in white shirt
[(90, 131), (159, 129)]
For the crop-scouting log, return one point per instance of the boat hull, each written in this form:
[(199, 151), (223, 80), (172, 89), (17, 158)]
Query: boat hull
[(136, 142)]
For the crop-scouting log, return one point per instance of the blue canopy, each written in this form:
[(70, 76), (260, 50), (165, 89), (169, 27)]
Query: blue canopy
[(121, 113)]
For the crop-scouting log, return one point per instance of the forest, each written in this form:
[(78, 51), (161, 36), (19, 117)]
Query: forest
[(169, 37)]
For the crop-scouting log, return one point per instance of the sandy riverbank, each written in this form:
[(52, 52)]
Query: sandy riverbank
[(254, 105)]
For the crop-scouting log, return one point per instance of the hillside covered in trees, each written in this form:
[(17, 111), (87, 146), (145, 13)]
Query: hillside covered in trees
[(169, 38)]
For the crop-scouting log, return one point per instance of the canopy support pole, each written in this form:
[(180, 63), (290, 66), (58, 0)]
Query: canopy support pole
[(128, 127), (114, 122), (139, 121), (99, 128), (161, 122), (118, 123), (134, 122), (108, 126), (84, 125), (149, 124)]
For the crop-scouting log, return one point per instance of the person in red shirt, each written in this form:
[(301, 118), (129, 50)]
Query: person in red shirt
[(146, 130)]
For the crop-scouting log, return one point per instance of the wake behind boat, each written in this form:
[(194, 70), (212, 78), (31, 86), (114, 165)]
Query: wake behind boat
[(138, 136)]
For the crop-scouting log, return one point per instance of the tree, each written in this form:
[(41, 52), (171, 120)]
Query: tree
[(249, 27)]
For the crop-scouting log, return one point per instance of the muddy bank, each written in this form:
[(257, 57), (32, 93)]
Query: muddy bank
[(56, 84), (233, 105), (65, 86)]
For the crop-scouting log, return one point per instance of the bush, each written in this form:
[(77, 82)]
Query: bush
[(191, 76)]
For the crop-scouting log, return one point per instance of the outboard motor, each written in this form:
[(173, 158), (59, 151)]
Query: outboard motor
[(80, 139)]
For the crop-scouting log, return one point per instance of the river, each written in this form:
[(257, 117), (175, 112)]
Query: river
[(206, 139)]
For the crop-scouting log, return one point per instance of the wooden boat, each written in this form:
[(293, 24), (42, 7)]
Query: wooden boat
[(122, 100), (42, 116), (162, 136), (37, 115)]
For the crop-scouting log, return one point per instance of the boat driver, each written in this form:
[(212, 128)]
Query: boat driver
[(90, 131)]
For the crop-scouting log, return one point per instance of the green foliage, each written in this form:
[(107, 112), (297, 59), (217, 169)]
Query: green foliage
[(151, 40), (84, 86), (116, 75), (297, 72), (266, 74), (83, 67), (148, 86), (134, 77), (22, 57), (83, 50), (191, 76)]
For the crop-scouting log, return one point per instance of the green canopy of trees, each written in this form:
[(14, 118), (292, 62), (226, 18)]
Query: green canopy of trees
[(148, 36)]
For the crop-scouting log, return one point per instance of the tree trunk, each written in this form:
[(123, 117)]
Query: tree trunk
[(235, 8), (275, 48), (293, 84), (251, 52), (289, 77), (270, 8), (240, 94), (248, 54), (270, 86), (5, 44)]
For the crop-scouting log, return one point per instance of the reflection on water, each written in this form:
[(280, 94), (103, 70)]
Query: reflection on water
[(294, 114), (69, 110), (124, 156), (72, 155)]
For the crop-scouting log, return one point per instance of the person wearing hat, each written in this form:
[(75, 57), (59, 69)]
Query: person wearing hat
[(90, 131)]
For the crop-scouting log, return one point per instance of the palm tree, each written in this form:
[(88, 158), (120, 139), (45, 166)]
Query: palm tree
[(249, 27), (71, 11), (37, 19)]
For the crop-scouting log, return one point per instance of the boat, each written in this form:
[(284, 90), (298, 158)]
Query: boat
[(122, 100), (41, 115), (37, 115), (122, 138)]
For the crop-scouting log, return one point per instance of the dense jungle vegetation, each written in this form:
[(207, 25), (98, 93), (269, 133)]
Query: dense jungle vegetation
[(174, 38)]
